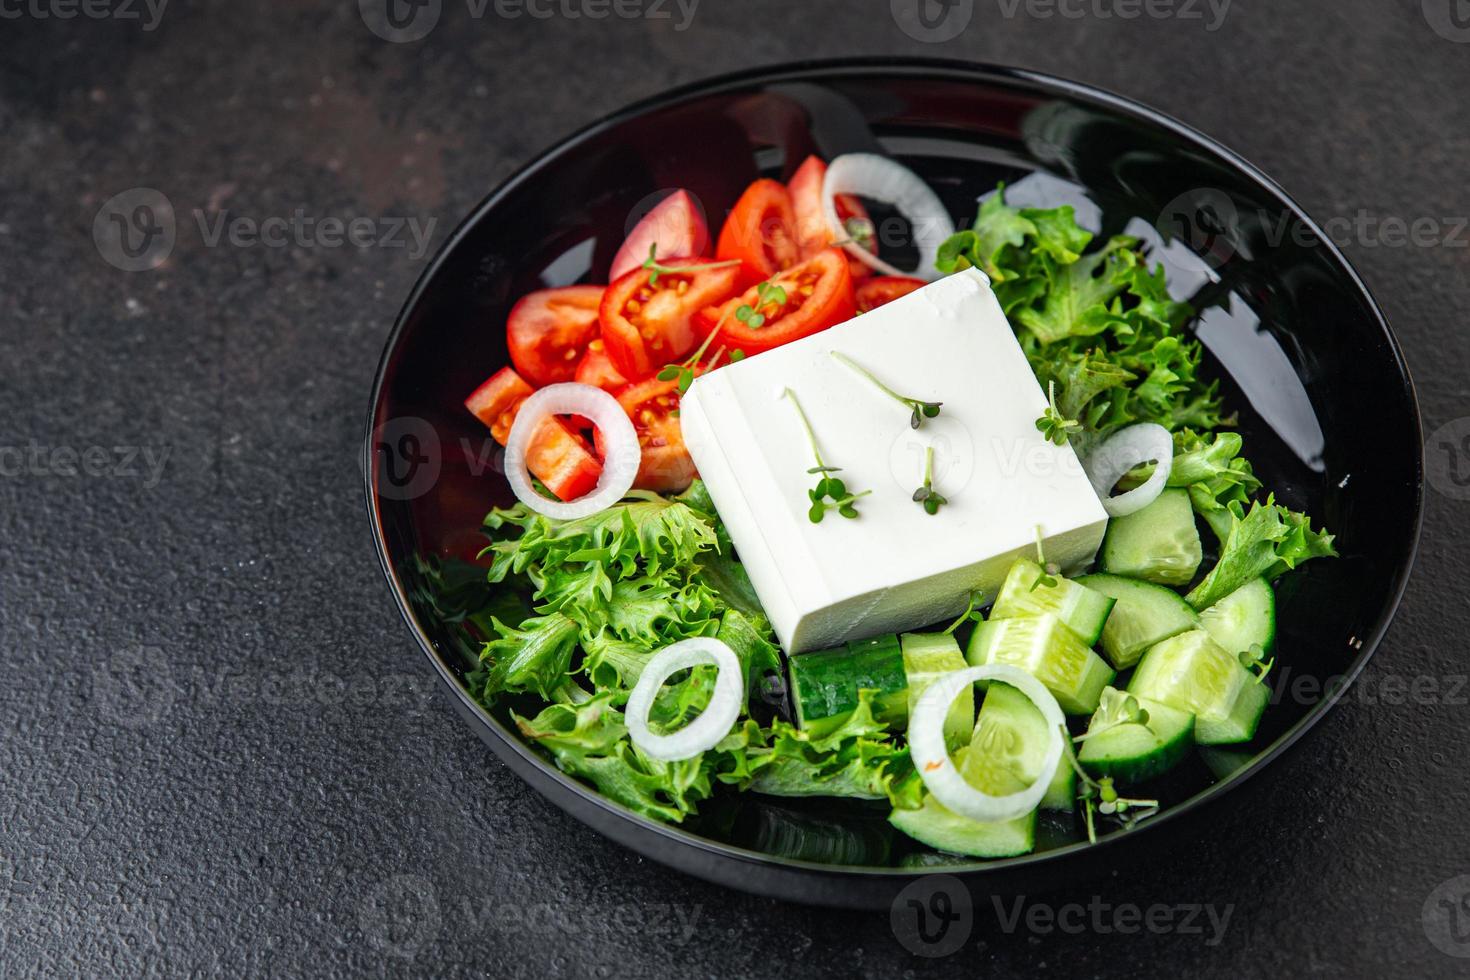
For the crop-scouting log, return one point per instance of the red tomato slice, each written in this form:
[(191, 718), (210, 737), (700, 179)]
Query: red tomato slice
[(598, 370), (666, 466), (645, 325), (818, 296), (556, 455), (812, 231), (885, 289), (761, 231), (675, 226), (548, 331)]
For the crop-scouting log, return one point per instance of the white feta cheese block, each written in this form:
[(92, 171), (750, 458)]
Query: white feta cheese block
[(895, 567)]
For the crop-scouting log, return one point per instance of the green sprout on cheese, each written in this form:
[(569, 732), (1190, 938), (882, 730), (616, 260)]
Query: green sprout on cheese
[(926, 495), (1055, 426), (830, 491), (921, 409)]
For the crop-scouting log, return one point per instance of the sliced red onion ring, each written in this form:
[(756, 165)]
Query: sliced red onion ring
[(1121, 452), (619, 465), (713, 723), (881, 179), (938, 771)]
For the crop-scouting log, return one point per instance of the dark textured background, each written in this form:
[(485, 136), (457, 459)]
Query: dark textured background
[(220, 750)]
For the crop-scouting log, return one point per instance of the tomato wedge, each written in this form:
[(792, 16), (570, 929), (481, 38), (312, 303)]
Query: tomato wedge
[(549, 330), (818, 295), (647, 321), (675, 226), (812, 231), (874, 292), (761, 231), (666, 466), (598, 370), (557, 456)]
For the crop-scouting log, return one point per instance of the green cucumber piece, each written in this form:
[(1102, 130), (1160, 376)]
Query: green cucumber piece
[(927, 657), (1012, 733), (1048, 651), (1158, 544), (825, 684), (1193, 673), (1081, 609), (935, 824), (1145, 614), (1136, 752), (1243, 619)]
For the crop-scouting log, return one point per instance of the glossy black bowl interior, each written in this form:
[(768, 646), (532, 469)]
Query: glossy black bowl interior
[(1325, 402)]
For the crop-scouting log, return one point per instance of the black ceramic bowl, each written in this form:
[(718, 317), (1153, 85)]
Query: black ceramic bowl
[(1325, 401)]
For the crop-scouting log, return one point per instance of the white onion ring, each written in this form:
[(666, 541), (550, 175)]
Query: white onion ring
[(881, 179), (619, 466), (713, 723), (1120, 453), (942, 777)]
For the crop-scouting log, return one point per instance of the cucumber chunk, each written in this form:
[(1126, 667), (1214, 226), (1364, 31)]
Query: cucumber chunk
[(1048, 651), (927, 657), (1243, 619), (1145, 614), (1193, 673), (935, 824), (1080, 609), (1136, 752), (1012, 733), (825, 684), (1158, 544)]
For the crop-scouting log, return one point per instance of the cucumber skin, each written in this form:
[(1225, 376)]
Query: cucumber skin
[(1166, 527), (1215, 723), (825, 684), (1170, 748), (1087, 617), (1131, 595), (942, 829), (1259, 630)]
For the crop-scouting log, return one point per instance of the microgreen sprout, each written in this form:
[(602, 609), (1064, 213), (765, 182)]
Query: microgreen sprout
[(830, 491), (1254, 660), (657, 268), (860, 231), (1117, 708), (1053, 424), (972, 612), (1048, 576), (1100, 796), (926, 495), (921, 409), (768, 294), (684, 371)]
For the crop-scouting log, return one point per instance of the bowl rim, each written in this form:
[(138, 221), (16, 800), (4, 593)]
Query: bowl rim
[(881, 66)]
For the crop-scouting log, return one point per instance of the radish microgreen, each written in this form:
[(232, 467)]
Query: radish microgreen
[(684, 371), (657, 268), (1049, 572), (1117, 708), (972, 612), (1053, 424), (1100, 796), (926, 495), (768, 294), (921, 409), (830, 492), (1254, 660)]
